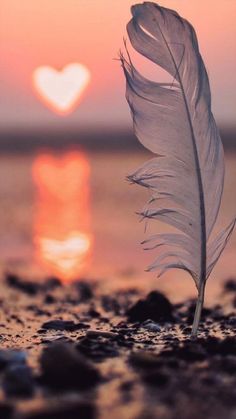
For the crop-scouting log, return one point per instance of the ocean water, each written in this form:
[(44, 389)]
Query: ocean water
[(72, 214)]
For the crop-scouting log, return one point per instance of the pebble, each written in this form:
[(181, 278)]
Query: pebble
[(151, 326), (84, 290), (104, 334), (94, 313), (56, 338), (58, 324), (64, 367), (155, 307), (97, 347), (230, 285), (28, 287), (49, 299), (110, 304), (232, 320), (11, 356), (18, 381)]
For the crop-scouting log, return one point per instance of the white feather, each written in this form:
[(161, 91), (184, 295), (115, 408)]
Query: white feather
[(174, 121)]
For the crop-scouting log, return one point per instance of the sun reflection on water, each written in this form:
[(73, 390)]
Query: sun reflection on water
[(62, 235)]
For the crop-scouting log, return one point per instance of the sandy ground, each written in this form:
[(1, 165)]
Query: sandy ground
[(83, 352)]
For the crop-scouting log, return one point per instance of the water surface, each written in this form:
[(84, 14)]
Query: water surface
[(72, 214)]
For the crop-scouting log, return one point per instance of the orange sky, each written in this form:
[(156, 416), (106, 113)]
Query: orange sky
[(57, 32)]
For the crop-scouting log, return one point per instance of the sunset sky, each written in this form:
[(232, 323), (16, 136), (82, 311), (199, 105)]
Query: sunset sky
[(55, 33)]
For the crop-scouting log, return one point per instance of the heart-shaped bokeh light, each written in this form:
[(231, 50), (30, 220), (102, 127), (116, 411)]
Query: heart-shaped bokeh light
[(61, 90)]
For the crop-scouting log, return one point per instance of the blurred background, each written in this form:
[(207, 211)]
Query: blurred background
[(66, 137)]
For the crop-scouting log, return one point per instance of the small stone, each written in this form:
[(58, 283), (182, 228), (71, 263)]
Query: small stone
[(18, 381), (94, 313), (155, 307), (58, 324), (232, 320), (104, 334), (187, 330), (98, 347), (56, 338), (230, 285), (151, 326), (64, 367), (41, 331), (84, 289), (110, 304), (49, 299), (11, 356), (28, 287)]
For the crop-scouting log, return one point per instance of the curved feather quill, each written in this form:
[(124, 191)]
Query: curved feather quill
[(174, 121)]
